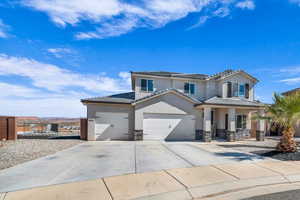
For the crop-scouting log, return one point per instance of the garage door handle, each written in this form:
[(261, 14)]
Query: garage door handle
[(112, 125)]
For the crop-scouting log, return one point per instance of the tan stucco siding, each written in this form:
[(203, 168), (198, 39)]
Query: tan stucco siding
[(221, 112), (166, 83), (236, 79), (92, 109), (158, 84), (220, 117), (166, 104)]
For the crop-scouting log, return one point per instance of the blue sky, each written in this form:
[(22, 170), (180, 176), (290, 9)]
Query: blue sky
[(53, 53)]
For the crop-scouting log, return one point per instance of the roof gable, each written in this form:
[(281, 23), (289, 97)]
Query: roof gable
[(164, 92)]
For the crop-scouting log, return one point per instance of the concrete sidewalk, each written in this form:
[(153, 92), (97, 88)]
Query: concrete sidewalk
[(225, 181)]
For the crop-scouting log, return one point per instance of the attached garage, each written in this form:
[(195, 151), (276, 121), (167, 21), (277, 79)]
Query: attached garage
[(168, 126), (169, 116), (111, 126)]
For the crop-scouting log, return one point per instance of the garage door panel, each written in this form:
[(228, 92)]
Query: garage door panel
[(168, 127), (111, 126)]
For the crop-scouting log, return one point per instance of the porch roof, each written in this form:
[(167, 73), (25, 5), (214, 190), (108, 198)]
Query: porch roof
[(230, 102)]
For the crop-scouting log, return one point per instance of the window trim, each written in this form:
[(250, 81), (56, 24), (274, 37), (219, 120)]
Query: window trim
[(243, 121), (189, 85), (237, 94), (147, 85)]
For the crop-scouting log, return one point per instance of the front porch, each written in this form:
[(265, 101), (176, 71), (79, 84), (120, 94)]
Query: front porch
[(231, 123)]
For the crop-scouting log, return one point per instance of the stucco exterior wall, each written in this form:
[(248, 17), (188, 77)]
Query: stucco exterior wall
[(158, 84), (166, 104), (222, 91), (165, 83), (92, 109)]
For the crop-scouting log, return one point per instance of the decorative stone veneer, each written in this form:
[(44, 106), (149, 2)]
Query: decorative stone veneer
[(199, 134), (138, 135), (230, 136), (221, 133), (260, 135), (206, 136), (242, 134)]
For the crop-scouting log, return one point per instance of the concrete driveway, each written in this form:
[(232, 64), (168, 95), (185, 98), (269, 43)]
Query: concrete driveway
[(93, 160)]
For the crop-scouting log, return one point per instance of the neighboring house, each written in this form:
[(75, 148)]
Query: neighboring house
[(177, 106)]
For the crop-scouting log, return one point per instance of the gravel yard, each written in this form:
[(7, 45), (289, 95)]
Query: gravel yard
[(266, 148), (23, 150)]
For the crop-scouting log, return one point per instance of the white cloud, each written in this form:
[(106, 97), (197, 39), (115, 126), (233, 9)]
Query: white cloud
[(51, 90), (248, 4), (54, 78), (60, 52), (43, 107), (290, 70), (291, 81), (10, 90), (116, 17), (3, 30), (295, 1), (291, 74)]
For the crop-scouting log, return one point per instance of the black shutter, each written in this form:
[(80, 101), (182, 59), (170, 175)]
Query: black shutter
[(186, 88), (247, 89), (229, 89), (143, 84)]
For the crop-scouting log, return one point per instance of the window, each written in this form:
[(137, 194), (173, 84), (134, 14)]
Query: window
[(189, 88), (242, 90), (147, 85), (241, 121), (238, 90)]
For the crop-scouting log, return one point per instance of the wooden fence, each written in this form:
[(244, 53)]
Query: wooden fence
[(8, 128)]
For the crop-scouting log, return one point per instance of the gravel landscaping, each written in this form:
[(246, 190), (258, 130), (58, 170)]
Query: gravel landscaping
[(266, 148), (23, 150)]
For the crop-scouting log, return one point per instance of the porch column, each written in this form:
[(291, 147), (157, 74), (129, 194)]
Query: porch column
[(260, 132), (207, 125), (248, 125), (249, 120), (231, 125)]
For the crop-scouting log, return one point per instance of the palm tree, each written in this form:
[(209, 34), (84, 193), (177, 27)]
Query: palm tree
[(285, 112)]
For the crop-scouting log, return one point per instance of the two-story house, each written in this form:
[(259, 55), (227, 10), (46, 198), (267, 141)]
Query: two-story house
[(177, 106)]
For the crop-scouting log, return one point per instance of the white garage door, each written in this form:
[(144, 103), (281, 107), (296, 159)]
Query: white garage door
[(171, 127), (111, 126)]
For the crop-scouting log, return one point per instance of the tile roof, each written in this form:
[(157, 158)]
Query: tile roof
[(291, 91), (172, 74), (231, 101), (122, 98), (193, 76)]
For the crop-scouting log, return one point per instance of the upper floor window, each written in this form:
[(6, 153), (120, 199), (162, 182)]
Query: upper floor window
[(147, 85), (242, 90), (189, 88), (238, 90)]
